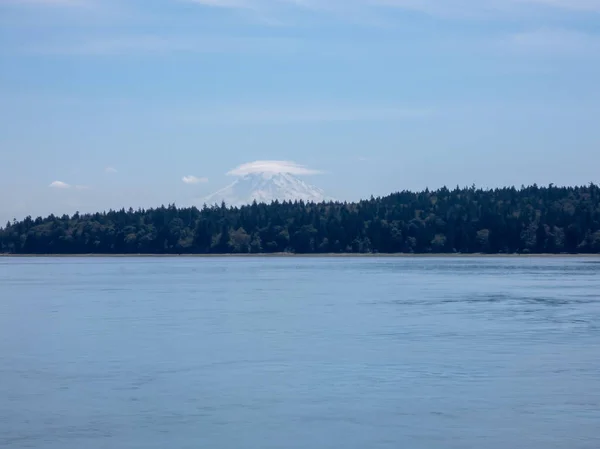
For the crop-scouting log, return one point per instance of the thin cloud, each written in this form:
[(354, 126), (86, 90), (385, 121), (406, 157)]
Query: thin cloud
[(318, 113), (554, 42), (272, 167), (110, 170), (577, 5), (491, 8), (63, 186), (193, 180), (228, 3), (165, 45), (46, 2), (457, 8), (59, 185)]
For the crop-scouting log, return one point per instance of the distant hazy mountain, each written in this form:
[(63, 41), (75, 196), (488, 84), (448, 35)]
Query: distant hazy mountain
[(266, 188)]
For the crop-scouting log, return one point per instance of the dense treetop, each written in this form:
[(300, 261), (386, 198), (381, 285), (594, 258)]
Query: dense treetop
[(468, 220)]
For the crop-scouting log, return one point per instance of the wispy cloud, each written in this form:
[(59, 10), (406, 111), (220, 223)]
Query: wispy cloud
[(63, 186), (46, 2), (193, 180), (272, 167), (554, 42), (459, 8), (581, 5), (59, 185), (166, 44), (110, 170), (293, 114), (230, 3), (168, 40)]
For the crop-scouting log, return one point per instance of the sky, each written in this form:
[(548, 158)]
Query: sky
[(114, 103)]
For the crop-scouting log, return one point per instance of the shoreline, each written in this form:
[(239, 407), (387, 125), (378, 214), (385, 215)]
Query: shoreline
[(307, 256)]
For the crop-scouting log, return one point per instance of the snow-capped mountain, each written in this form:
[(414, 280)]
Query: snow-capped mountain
[(266, 188)]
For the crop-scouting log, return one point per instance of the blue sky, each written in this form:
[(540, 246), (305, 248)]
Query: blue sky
[(111, 103)]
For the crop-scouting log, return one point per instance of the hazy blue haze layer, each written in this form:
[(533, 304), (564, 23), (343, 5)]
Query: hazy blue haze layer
[(299, 353)]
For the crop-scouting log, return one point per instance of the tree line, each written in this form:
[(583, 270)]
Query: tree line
[(463, 220)]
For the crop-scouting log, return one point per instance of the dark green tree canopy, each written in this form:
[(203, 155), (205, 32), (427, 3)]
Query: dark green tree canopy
[(469, 220)]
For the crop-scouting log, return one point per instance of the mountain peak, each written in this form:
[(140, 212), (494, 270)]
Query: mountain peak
[(266, 187)]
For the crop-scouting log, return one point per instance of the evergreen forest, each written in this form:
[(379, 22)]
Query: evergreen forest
[(529, 220)]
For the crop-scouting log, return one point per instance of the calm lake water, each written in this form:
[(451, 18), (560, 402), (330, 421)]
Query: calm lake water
[(300, 353)]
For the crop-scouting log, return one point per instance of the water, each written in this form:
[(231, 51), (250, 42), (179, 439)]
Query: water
[(299, 353)]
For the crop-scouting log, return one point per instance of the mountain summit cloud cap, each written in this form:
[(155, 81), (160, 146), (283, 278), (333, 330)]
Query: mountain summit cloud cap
[(272, 167)]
